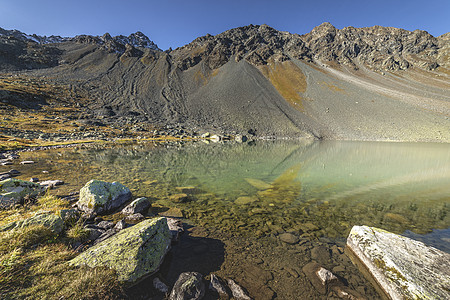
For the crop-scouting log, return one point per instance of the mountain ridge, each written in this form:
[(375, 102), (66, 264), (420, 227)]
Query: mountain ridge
[(258, 79)]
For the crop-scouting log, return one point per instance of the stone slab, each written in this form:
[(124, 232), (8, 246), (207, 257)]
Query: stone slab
[(402, 267)]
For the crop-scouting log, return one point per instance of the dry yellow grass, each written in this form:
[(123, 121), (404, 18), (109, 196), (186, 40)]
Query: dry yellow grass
[(288, 79)]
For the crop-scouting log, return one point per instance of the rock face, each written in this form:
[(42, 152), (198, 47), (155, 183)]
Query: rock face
[(13, 191), (52, 222), (102, 197), (404, 268), (133, 253)]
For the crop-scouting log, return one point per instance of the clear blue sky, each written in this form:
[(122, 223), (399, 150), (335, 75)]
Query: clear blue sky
[(173, 23)]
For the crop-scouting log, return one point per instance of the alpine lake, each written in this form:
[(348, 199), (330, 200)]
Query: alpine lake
[(258, 212)]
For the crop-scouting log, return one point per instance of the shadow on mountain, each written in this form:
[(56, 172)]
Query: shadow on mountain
[(22, 99)]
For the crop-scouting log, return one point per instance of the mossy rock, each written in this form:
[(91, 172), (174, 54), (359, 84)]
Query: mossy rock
[(102, 197), (14, 191), (50, 221), (134, 252)]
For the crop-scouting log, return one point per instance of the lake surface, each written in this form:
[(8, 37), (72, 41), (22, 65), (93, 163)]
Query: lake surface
[(244, 197)]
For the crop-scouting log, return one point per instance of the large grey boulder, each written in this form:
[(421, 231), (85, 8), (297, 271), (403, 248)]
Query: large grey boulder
[(52, 222), (101, 197), (134, 252), (404, 268), (14, 191)]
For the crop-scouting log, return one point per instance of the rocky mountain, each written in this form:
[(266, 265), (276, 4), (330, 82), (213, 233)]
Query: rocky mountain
[(376, 83), (138, 39)]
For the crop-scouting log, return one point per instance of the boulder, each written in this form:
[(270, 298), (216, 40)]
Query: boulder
[(50, 221), (101, 197), (189, 285), (403, 268), (139, 205), (14, 191), (134, 252)]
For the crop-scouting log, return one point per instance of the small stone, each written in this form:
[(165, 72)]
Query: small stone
[(51, 183), (94, 233), (325, 276), (289, 238), (190, 190), (216, 285), (139, 205), (175, 227), (244, 200), (160, 286), (34, 179), (237, 291), (14, 172), (27, 162), (134, 217), (120, 225), (189, 285), (172, 212), (105, 225), (215, 138), (180, 198)]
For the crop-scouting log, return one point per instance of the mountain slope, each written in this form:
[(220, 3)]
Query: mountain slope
[(372, 83)]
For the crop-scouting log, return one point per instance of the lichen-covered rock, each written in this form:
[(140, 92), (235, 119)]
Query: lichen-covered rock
[(69, 216), (137, 206), (404, 268), (189, 285), (134, 252), (14, 191), (101, 197), (52, 222)]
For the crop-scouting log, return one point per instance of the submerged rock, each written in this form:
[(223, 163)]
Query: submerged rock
[(134, 252), (189, 285), (101, 197), (404, 268), (14, 191), (50, 221), (320, 277), (160, 286)]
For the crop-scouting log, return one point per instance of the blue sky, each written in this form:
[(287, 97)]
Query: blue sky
[(177, 22)]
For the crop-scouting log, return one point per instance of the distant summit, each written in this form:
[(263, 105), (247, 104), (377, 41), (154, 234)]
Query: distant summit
[(138, 39)]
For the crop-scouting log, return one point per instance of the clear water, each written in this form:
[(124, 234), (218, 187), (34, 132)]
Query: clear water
[(314, 190)]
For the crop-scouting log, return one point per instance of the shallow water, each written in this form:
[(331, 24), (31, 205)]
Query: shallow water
[(249, 194)]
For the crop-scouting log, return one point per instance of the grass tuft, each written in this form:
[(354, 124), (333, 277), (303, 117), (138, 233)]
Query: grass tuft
[(78, 233)]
